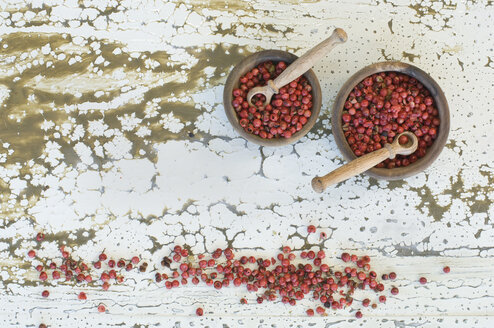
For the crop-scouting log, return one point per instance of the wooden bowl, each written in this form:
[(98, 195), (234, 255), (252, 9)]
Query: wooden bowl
[(245, 66), (439, 99)]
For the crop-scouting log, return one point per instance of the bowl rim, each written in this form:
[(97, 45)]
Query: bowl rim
[(247, 64), (441, 104)]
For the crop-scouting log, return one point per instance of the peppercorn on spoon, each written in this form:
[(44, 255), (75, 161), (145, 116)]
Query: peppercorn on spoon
[(298, 67), (363, 163)]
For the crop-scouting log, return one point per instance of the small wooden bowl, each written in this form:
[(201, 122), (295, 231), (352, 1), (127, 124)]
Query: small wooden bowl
[(440, 102), (249, 63)]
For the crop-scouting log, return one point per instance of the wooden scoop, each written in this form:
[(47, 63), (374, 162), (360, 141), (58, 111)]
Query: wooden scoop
[(298, 67), (366, 162)]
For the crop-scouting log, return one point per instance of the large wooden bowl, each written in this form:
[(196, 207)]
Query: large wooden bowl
[(440, 102), (245, 66)]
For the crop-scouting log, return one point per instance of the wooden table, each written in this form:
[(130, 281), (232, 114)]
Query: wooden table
[(113, 136)]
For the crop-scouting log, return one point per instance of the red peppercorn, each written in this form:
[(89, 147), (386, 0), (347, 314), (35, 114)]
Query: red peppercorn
[(394, 291), (446, 269), (423, 280), (320, 310), (199, 312), (310, 312), (40, 236), (135, 260), (102, 257), (311, 229), (31, 253), (382, 299), (243, 301), (403, 140), (45, 293), (392, 275), (345, 257), (43, 276), (104, 277), (42, 325), (82, 296), (101, 308), (358, 315)]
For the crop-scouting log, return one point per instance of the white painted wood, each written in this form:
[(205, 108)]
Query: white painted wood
[(113, 136)]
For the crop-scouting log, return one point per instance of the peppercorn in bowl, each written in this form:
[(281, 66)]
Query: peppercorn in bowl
[(291, 113), (383, 100)]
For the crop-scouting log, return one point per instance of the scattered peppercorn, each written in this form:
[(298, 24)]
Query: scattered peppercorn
[(199, 312), (446, 269), (278, 277), (40, 236), (423, 280), (45, 293)]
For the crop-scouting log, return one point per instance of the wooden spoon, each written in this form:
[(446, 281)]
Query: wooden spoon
[(366, 162), (298, 67)]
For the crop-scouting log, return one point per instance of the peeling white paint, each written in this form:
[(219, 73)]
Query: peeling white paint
[(205, 178)]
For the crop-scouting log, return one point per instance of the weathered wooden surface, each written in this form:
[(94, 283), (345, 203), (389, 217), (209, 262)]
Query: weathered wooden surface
[(113, 135)]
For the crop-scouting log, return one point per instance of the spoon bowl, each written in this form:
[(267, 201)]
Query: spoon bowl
[(409, 147)]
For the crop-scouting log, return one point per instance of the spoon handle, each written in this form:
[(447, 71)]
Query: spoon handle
[(351, 169), (307, 60)]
